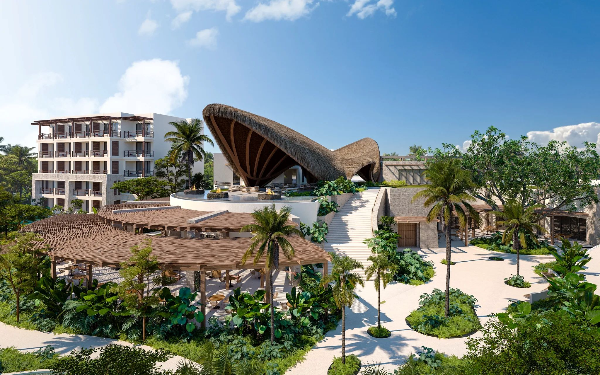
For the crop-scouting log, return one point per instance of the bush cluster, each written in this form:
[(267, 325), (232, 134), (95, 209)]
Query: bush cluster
[(379, 332), (351, 367), (430, 318), (518, 281), (494, 243)]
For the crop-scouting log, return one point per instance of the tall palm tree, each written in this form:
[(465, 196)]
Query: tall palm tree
[(519, 221), (22, 153), (447, 194), (344, 282), (187, 140), (270, 235), (383, 269)]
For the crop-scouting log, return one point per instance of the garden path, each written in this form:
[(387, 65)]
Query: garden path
[(474, 273)]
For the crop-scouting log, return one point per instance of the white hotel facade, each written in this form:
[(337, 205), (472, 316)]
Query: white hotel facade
[(82, 157)]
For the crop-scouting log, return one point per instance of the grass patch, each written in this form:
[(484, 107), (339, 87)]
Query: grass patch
[(380, 333), (351, 367), (497, 259), (510, 250), (429, 318), (517, 281), (445, 263), (13, 360), (543, 268)]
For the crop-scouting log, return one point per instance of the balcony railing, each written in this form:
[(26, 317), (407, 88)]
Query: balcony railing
[(61, 154), (62, 171), (59, 191), (98, 153), (78, 154), (80, 171), (46, 191), (131, 153), (80, 192), (46, 171), (98, 133), (138, 173), (99, 171), (45, 154), (96, 193), (45, 136)]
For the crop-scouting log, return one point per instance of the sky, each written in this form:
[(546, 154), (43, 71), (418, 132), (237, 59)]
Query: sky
[(400, 72)]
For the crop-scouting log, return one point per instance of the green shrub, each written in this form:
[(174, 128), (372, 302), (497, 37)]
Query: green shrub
[(351, 367), (326, 207), (572, 259), (430, 319), (380, 333), (412, 269), (517, 281), (317, 232), (374, 369), (497, 259), (494, 243), (543, 268), (340, 186), (13, 360), (427, 362), (394, 183), (445, 263)]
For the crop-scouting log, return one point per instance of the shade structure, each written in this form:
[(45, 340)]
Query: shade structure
[(88, 239), (259, 149)]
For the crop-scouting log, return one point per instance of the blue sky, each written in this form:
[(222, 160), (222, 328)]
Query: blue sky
[(400, 72)]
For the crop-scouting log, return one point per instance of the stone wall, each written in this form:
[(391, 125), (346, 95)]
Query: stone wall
[(400, 204)]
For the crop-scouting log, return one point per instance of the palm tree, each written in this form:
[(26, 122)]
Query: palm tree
[(270, 232), (447, 193), (22, 153), (344, 283), (187, 140), (383, 269), (518, 221)]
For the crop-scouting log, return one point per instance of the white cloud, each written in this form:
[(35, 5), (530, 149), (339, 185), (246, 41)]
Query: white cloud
[(228, 6), (148, 27), (366, 8), (277, 10), (38, 82), (149, 86), (575, 135), (206, 38), (181, 19)]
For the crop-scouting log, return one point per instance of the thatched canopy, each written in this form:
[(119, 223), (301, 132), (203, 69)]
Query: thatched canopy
[(88, 239), (259, 149)]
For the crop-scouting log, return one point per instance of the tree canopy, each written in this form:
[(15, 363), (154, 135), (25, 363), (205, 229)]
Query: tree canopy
[(144, 187)]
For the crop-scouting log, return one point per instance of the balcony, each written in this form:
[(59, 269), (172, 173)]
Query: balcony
[(45, 136), (80, 171), (138, 133), (99, 153), (61, 135), (80, 192), (132, 153), (61, 154), (138, 173), (79, 154), (46, 191), (62, 171), (59, 191), (99, 171), (45, 154), (46, 171), (96, 193), (80, 135)]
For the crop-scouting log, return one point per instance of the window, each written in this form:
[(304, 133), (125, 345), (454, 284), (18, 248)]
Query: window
[(115, 149), (115, 167)]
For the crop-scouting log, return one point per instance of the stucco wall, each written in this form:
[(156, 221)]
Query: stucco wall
[(341, 200), (379, 208), (409, 171), (400, 204)]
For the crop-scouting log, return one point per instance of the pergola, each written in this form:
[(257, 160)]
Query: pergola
[(93, 240)]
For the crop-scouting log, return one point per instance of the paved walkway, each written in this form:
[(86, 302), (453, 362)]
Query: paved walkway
[(474, 273)]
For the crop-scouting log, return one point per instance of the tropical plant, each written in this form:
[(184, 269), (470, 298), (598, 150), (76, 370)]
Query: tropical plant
[(135, 289), (343, 281), (300, 307), (519, 221), (517, 281), (575, 296), (317, 232), (572, 258), (326, 206), (383, 269), (344, 366), (144, 187), (171, 169), (270, 231), (53, 294), (188, 140), (181, 310), (247, 312), (447, 193), (19, 265), (339, 186)]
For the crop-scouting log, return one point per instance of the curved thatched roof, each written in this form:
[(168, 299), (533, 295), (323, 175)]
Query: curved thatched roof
[(259, 149)]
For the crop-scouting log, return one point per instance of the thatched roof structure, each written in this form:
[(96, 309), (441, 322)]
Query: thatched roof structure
[(88, 239), (259, 149)]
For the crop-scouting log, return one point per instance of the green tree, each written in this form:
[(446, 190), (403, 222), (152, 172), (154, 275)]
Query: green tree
[(20, 265), (343, 282), (209, 170), (14, 215), (144, 187), (447, 194), (270, 231), (171, 169), (383, 269), (16, 171), (188, 140), (519, 222), (135, 290)]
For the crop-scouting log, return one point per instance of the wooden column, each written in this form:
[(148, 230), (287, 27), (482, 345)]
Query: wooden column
[(53, 267), (472, 229), (467, 233), (552, 230), (203, 296), (90, 277), (227, 280), (325, 268), (262, 279)]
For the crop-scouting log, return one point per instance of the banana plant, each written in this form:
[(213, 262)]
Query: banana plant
[(300, 306), (572, 259), (52, 293), (249, 312), (576, 296), (100, 301)]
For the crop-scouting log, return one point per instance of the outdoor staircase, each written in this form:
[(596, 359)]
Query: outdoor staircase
[(351, 226)]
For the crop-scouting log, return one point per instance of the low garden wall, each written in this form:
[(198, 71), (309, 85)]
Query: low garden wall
[(341, 200)]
